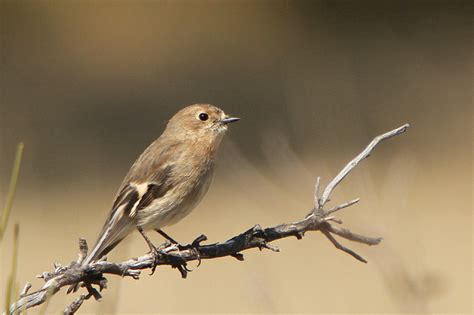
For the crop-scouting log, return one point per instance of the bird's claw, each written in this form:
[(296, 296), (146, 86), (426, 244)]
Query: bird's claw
[(164, 253), (157, 255), (160, 256), (194, 246)]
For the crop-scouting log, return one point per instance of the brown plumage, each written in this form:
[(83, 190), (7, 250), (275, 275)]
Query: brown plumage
[(168, 179)]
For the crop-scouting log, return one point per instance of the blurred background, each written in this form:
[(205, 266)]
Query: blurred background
[(87, 85)]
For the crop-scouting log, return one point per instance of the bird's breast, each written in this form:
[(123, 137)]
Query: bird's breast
[(187, 191)]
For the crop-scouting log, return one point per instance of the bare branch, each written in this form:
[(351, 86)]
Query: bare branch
[(347, 234), (317, 202), (342, 206), (74, 306), (352, 164), (343, 248), (177, 257), (333, 219), (25, 290), (83, 249)]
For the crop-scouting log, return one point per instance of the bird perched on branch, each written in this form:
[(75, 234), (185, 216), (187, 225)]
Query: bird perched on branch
[(168, 179)]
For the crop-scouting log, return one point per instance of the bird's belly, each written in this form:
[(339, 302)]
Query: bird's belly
[(174, 205)]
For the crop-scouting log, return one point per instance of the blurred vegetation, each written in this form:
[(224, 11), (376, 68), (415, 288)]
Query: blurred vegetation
[(12, 287), (11, 190), (11, 292)]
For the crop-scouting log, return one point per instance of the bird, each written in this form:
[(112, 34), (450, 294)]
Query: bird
[(167, 180)]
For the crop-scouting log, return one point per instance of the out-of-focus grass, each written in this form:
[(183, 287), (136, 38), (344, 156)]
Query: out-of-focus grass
[(11, 190), (12, 287), (11, 291)]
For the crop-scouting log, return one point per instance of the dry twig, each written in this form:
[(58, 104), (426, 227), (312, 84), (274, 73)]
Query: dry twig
[(256, 237)]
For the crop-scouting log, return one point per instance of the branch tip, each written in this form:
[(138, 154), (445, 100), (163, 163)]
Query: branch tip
[(342, 206), (317, 200), (271, 247), (93, 292), (354, 162), (25, 290), (299, 235), (238, 256), (342, 247), (74, 306), (83, 249)]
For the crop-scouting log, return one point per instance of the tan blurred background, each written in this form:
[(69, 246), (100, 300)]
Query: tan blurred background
[(87, 85)]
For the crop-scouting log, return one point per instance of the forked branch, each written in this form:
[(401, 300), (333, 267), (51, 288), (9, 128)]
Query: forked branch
[(91, 275)]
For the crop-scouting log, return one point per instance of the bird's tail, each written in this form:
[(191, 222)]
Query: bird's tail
[(100, 250), (103, 246), (108, 239)]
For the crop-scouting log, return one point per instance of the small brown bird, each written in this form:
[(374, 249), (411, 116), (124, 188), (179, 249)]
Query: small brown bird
[(168, 179)]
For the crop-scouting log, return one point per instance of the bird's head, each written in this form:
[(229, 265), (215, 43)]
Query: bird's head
[(202, 121)]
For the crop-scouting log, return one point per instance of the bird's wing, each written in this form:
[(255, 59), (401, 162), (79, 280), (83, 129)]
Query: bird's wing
[(132, 198), (117, 225)]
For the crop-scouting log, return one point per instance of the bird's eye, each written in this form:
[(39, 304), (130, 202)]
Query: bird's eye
[(203, 116)]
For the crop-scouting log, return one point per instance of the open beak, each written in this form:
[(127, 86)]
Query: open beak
[(228, 120)]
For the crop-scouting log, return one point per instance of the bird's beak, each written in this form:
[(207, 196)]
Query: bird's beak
[(228, 120)]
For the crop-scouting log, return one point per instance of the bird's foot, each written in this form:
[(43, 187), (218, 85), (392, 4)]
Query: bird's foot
[(194, 246), (160, 257), (157, 255)]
